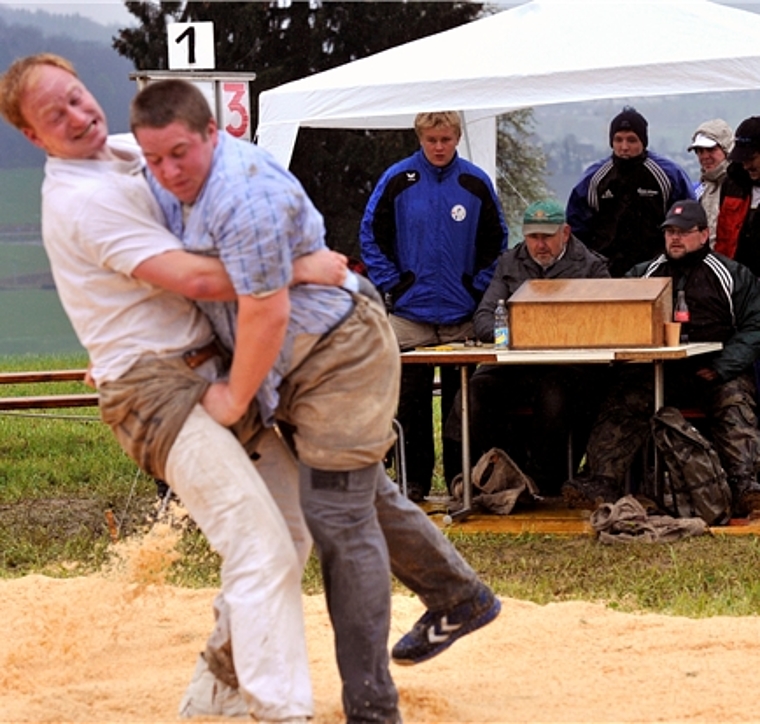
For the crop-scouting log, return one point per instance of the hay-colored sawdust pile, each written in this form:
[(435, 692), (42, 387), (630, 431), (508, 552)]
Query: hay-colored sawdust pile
[(120, 647)]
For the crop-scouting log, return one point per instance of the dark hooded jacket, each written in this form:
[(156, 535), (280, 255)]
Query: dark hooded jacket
[(619, 204)]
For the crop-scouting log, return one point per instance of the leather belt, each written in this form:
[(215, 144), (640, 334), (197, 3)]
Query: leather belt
[(196, 357)]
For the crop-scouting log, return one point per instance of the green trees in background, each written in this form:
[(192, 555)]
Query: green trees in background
[(521, 166), (284, 41)]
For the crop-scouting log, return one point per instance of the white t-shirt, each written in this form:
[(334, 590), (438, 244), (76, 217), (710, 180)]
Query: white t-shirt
[(99, 222)]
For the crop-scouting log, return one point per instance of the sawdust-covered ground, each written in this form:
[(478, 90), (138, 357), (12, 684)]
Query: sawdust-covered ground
[(120, 647)]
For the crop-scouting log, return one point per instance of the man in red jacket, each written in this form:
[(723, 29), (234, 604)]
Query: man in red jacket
[(738, 230)]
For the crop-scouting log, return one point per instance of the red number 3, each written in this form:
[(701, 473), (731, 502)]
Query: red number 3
[(235, 106)]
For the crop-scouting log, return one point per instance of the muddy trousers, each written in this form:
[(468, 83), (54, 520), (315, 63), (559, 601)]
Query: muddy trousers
[(261, 573), (623, 422), (277, 466)]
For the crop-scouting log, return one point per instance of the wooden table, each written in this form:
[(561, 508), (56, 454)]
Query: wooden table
[(460, 354)]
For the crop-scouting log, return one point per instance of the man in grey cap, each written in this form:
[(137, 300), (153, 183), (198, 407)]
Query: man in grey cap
[(712, 142)]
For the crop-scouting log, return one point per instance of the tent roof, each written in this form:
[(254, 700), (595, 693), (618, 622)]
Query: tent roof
[(542, 52)]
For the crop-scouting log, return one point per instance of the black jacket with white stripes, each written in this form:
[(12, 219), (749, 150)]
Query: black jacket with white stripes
[(724, 304)]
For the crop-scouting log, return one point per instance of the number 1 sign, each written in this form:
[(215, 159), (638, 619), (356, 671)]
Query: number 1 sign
[(191, 46)]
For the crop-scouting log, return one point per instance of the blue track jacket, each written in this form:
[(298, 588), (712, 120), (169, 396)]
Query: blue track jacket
[(431, 236)]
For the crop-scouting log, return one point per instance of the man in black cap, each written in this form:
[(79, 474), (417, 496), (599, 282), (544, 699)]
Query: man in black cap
[(619, 204), (738, 228), (724, 304)]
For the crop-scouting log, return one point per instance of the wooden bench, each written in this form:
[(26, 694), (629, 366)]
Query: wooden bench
[(51, 401)]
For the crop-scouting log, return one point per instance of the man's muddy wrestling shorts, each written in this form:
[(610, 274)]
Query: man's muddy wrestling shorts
[(342, 391)]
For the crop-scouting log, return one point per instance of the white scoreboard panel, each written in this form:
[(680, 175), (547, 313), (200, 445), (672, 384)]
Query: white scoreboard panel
[(228, 94), (191, 57)]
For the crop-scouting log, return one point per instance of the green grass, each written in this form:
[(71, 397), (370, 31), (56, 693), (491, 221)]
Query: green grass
[(33, 320), (695, 577), (59, 472), (58, 476)]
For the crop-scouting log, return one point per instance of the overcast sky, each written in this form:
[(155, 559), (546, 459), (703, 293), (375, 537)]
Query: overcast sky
[(113, 11)]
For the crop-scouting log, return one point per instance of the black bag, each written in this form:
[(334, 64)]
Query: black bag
[(695, 482)]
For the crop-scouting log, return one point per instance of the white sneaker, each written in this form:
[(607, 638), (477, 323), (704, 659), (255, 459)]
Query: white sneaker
[(208, 696)]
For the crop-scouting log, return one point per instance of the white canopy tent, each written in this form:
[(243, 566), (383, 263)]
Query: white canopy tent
[(542, 52)]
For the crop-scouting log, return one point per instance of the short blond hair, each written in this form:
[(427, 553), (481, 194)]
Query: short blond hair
[(15, 80), (436, 119)]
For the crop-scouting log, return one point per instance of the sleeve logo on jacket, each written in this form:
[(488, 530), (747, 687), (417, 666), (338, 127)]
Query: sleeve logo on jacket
[(458, 213)]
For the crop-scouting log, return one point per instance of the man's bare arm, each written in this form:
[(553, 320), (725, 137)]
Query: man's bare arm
[(325, 267), (261, 326), (198, 277)]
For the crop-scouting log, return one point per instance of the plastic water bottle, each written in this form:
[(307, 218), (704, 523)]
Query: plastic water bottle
[(681, 314), (500, 326)]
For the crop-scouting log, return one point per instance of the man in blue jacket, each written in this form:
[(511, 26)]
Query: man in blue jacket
[(430, 237), (619, 204)]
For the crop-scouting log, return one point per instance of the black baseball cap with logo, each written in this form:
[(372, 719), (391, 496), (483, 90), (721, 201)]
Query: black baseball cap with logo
[(685, 215), (746, 140)]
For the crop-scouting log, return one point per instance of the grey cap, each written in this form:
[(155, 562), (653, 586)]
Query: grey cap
[(713, 133)]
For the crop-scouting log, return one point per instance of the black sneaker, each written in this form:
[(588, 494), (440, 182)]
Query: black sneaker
[(437, 630)]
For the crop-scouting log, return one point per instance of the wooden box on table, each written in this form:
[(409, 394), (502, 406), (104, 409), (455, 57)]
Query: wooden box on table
[(570, 313)]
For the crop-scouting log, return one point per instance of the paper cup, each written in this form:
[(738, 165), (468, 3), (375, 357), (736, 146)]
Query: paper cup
[(672, 334)]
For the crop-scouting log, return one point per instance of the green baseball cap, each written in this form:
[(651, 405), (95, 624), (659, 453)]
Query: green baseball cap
[(543, 217)]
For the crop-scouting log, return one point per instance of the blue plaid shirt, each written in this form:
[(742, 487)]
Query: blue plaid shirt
[(256, 217)]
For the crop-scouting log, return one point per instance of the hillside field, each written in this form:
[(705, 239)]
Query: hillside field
[(19, 198)]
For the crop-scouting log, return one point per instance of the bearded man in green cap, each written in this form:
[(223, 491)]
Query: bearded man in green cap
[(560, 395)]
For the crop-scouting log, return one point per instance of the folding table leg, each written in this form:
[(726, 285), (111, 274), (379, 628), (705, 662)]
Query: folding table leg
[(400, 453), (466, 464)]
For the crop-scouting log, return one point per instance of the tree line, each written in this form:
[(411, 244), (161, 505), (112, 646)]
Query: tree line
[(282, 42)]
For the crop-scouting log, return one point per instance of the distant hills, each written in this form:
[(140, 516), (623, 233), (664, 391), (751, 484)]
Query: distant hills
[(74, 26), (572, 135), (88, 45), (576, 134)]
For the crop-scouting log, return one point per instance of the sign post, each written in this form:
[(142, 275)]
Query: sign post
[(191, 58)]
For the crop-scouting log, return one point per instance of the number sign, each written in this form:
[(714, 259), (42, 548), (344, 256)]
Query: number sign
[(234, 105), (191, 46)]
